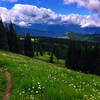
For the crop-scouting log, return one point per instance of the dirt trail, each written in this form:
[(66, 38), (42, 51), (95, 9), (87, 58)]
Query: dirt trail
[(7, 90)]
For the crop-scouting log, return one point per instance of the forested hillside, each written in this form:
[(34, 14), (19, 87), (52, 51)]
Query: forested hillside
[(78, 55)]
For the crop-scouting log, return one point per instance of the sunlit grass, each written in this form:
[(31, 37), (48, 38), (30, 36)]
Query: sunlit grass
[(37, 79), (22, 38), (46, 58)]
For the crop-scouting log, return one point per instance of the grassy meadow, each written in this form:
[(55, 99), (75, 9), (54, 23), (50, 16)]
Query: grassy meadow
[(37, 79)]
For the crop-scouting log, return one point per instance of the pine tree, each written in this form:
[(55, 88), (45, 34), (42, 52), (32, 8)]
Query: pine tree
[(97, 67), (37, 49), (57, 51), (12, 39), (69, 58), (28, 46), (51, 55), (3, 37), (40, 50)]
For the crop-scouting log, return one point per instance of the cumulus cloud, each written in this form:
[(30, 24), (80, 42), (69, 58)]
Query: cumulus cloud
[(22, 23), (82, 20), (10, 0), (26, 15), (92, 5)]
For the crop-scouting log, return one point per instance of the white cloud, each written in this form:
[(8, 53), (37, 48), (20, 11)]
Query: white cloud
[(10, 0), (25, 15), (82, 20), (22, 23), (28, 14), (92, 5)]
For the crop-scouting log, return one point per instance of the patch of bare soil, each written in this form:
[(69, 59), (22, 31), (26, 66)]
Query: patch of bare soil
[(7, 90)]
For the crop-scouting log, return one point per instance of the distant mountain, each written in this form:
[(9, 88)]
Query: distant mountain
[(33, 32), (82, 37), (61, 29), (73, 36), (55, 30)]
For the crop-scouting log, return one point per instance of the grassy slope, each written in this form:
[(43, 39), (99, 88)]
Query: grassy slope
[(36, 79)]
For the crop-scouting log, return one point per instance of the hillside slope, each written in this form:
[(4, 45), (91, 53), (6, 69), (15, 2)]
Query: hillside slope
[(35, 79), (82, 37)]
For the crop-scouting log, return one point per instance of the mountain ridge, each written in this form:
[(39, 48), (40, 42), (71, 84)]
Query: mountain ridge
[(81, 37), (55, 30)]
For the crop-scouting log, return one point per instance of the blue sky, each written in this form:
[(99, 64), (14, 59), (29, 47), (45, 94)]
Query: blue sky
[(27, 12)]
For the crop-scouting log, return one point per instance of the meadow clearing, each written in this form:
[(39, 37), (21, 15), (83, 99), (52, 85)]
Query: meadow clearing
[(37, 79)]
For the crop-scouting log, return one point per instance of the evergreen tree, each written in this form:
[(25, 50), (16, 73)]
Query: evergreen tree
[(57, 51), (51, 55), (28, 46), (97, 67), (12, 39), (41, 50), (69, 58), (3, 37), (37, 49)]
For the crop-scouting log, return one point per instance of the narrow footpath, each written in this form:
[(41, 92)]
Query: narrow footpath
[(7, 90)]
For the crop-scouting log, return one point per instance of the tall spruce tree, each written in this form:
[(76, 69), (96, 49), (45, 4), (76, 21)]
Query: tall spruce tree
[(28, 46), (40, 50), (12, 39), (52, 55), (57, 51), (3, 37)]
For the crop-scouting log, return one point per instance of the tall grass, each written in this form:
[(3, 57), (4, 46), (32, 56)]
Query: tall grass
[(35, 79)]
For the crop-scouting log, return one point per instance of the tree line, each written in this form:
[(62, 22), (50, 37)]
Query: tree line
[(11, 42), (81, 56), (84, 57)]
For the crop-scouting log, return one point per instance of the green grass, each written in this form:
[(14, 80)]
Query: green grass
[(36, 79), (46, 58)]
